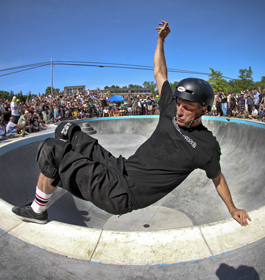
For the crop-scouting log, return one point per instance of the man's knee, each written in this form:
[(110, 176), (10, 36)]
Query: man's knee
[(66, 130), (49, 155)]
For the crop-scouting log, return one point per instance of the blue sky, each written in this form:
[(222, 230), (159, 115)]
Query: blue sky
[(225, 35)]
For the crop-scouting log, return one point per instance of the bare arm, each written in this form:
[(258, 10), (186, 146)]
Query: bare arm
[(240, 215), (160, 67)]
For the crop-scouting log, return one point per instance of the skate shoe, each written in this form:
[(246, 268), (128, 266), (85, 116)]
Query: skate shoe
[(25, 213)]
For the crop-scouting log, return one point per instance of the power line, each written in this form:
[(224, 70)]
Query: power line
[(129, 66), (24, 66), (97, 64), (38, 65)]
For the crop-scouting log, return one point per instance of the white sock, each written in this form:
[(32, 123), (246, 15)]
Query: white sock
[(39, 204)]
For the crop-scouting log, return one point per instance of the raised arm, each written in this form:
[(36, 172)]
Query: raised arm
[(160, 67), (240, 215)]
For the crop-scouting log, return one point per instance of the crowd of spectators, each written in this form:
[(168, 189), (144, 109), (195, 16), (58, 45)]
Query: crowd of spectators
[(18, 119), (21, 118), (248, 104)]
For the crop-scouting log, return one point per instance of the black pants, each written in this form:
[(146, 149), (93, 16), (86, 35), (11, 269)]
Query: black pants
[(250, 108), (92, 173), (16, 118)]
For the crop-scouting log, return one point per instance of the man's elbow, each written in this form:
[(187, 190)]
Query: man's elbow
[(217, 180), (159, 74)]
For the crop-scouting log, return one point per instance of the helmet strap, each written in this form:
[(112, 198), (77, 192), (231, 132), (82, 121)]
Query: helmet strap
[(196, 119)]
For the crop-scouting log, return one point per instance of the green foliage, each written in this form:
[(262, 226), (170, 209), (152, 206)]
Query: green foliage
[(173, 85), (5, 95), (116, 89), (151, 86), (261, 83), (217, 81), (134, 86), (245, 80), (55, 90), (9, 95)]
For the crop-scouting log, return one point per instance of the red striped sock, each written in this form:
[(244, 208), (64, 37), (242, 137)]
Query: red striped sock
[(39, 204)]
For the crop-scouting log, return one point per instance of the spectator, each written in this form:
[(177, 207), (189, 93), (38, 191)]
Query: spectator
[(232, 104), (261, 113), (241, 101), (10, 126), (134, 106), (213, 109), (2, 129), (8, 110), (55, 114), (157, 105), (13, 130), (256, 95), (250, 102), (34, 122), (14, 109), (20, 107), (254, 113), (149, 106), (44, 111), (2, 109), (219, 104), (261, 97), (224, 102), (243, 113), (106, 112), (262, 102), (235, 112), (24, 122), (50, 113)]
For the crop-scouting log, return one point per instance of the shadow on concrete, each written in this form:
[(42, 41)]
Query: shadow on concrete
[(243, 272)]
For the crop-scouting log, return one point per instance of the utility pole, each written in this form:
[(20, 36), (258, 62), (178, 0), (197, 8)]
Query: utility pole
[(51, 79)]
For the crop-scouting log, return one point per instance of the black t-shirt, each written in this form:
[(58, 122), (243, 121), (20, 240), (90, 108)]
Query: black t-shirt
[(170, 155), (34, 119)]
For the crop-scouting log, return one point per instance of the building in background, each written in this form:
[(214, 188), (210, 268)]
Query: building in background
[(74, 89)]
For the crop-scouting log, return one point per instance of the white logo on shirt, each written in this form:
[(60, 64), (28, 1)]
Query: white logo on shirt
[(187, 138)]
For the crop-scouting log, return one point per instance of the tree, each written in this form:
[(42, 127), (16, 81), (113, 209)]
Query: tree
[(261, 83), (115, 88), (217, 81), (245, 80), (48, 90), (6, 95), (134, 86), (173, 85), (231, 86), (151, 86)]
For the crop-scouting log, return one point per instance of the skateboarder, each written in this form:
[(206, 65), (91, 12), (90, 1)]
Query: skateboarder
[(180, 143)]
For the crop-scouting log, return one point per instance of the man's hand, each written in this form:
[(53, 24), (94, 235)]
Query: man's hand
[(164, 30), (241, 216)]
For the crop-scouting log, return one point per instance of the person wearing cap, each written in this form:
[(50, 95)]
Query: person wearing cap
[(14, 109), (180, 144)]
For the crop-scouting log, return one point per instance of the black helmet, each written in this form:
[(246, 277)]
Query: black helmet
[(195, 90)]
